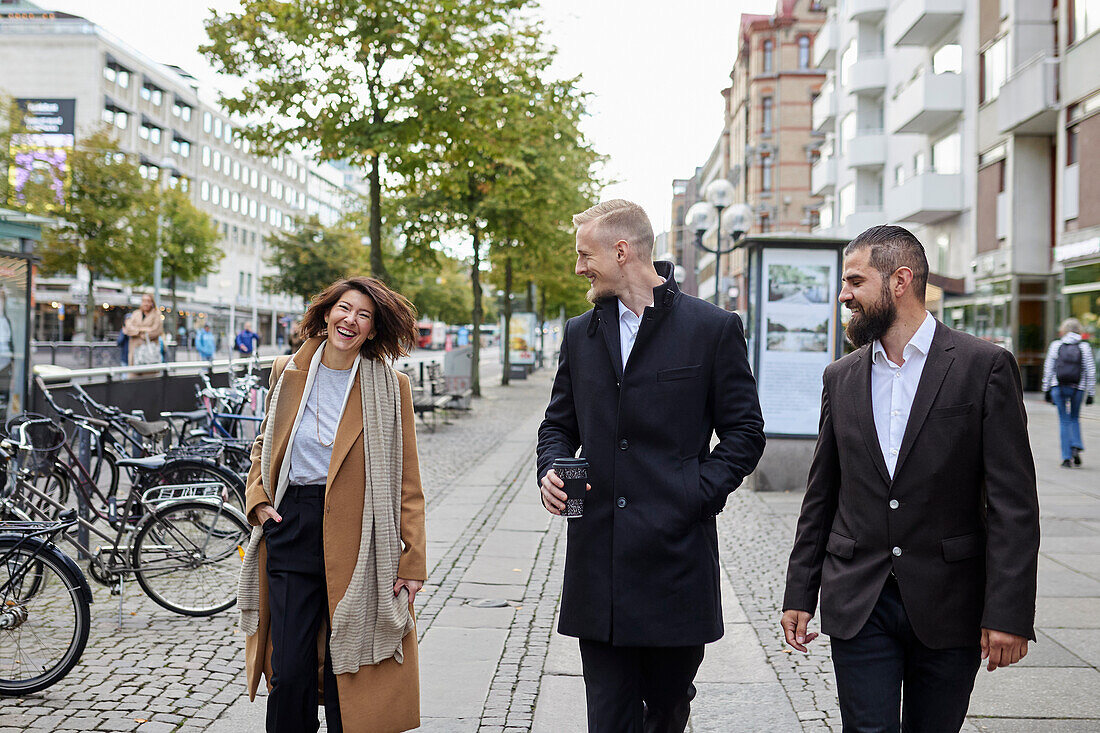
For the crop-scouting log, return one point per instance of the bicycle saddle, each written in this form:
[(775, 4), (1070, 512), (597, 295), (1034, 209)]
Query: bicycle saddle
[(147, 428), (189, 415), (150, 463)]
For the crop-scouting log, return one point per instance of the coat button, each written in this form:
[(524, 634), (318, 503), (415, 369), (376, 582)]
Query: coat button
[(896, 551), (894, 504), (621, 502), (623, 445)]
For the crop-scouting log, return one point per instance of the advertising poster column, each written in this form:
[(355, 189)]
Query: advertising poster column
[(797, 336)]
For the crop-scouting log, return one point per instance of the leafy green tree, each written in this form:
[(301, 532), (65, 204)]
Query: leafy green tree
[(345, 78), (104, 222), (189, 244), (312, 257)]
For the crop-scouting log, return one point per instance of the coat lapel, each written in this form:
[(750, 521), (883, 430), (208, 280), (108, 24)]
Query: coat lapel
[(291, 390), (351, 425), (936, 367), (607, 316), (865, 412)]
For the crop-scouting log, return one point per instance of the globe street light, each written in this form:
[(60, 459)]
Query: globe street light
[(717, 210)]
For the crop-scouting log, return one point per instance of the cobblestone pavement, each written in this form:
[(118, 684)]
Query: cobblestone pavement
[(490, 660)]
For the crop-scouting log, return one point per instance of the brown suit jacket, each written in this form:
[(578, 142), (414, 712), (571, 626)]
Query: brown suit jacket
[(963, 540)]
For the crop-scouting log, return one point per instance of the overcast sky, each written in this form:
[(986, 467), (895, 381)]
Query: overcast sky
[(655, 69)]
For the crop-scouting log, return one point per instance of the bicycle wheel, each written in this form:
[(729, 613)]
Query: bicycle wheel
[(44, 617), (238, 459), (188, 471), (187, 556)]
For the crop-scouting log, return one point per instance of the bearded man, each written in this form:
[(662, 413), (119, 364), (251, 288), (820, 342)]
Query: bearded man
[(920, 524), (644, 379)]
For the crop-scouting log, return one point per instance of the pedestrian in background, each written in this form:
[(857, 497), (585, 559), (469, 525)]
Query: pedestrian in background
[(247, 341), (204, 343), (644, 380), (1069, 376), (920, 523), (123, 342), (144, 327), (337, 552)]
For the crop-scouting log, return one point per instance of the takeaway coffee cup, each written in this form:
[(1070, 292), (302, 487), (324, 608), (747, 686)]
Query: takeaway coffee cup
[(574, 473)]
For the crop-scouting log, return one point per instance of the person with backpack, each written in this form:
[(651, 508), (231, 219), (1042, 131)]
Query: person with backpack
[(1069, 376)]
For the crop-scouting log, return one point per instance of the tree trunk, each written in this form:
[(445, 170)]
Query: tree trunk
[(530, 296), (173, 322), (506, 339), (89, 313), (475, 281), (542, 327), (377, 266)]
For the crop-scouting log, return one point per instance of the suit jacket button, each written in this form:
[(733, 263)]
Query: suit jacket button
[(623, 445), (896, 551), (621, 502), (894, 504)]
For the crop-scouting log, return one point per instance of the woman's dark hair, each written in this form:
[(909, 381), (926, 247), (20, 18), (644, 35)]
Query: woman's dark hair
[(394, 317)]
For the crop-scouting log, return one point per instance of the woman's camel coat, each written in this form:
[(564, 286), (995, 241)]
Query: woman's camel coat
[(385, 697)]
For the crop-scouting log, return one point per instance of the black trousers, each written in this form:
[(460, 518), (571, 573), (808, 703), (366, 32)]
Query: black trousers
[(633, 689), (884, 659), (298, 599)]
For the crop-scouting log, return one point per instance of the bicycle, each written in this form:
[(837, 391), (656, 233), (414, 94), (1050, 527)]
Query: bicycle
[(111, 442), (45, 613), (182, 543)]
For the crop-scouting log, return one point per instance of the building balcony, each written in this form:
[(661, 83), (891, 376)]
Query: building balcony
[(859, 221), (928, 103), (825, 45), (926, 198), (867, 10), (867, 75), (823, 112), (867, 149), (1028, 101), (823, 176), (922, 22)]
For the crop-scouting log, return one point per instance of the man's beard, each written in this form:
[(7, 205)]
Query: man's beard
[(871, 324), (599, 292)]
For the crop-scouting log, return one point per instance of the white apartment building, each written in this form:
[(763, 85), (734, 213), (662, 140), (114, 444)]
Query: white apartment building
[(897, 113), (181, 138)]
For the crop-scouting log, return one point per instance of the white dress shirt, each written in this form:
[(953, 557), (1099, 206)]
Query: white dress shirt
[(629, 322), (893, 388)]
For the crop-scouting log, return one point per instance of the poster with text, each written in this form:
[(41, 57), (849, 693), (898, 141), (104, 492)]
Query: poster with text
[(522, 338), (798, 335), (40, 152)]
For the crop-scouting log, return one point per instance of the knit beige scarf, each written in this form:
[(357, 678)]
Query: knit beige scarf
[(369, 622)]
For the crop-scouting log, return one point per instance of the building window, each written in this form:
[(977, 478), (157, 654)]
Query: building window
[(149, 172), (847, 132), (919, 160), (150, 133), (117, 74), (179, 182), (217, 127), (994, 69), (216, 194), (236, 170), (766, 107), (847, 201), (263, 212), (899, 174), (255, 176), (947, 59), (228, 133), (1071, 146), (181, 147), (206, 155), (252, 208), (769, 52), (204, 190), (846, 60), (765, 223), (152, 94), (235, 202), (181, 110), (947, 155), (207, 121), (217, 160), (803, 52), (766, 172), (263, 184), (1084, 19), (117, 117)]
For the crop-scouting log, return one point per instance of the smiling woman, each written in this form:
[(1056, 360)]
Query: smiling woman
[(337, 552)]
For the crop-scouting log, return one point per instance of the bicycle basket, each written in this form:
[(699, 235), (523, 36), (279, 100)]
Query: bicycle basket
[(208, 451), (40, 440)]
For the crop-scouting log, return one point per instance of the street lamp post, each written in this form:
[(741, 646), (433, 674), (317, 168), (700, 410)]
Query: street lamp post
[(166, 167), (716, 209)]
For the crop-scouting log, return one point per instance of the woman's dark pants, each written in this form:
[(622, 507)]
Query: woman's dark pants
[(298, 600)]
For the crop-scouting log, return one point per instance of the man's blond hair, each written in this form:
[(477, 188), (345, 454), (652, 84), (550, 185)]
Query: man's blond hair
[(619, 219)]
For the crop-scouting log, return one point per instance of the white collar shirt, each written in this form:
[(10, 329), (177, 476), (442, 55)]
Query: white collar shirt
[(893, 388), (629, 321)]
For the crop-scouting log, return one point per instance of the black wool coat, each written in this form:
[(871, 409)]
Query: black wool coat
[(958, 524), (641, 565)]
